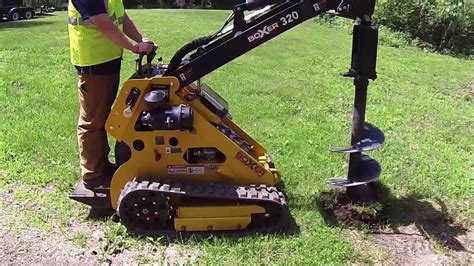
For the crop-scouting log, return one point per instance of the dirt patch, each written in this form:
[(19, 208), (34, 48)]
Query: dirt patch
[(472, 88), (49, 188), (409, 245), (337, 208), (36, 247), (78, 242), (24, 245), (408, 230)]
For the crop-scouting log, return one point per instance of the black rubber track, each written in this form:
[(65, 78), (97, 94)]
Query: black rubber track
[(270, 198)]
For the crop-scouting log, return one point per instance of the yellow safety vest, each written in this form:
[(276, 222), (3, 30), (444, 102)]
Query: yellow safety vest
[(88, 46)]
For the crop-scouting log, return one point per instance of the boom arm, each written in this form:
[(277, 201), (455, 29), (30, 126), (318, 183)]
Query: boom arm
[(210, 53)]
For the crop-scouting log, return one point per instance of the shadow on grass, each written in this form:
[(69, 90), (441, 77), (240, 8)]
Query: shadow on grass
[(34, 22), (431, 218), (44, 14)]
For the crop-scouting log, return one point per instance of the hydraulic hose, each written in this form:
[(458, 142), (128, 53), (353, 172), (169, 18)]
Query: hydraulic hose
[(186, 49)]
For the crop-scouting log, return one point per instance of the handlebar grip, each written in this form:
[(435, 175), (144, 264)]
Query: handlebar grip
[(151, 55), (149, 58)]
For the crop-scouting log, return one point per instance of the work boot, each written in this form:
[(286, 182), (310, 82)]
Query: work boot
[(98, 182), (102, 181), (109, 170)]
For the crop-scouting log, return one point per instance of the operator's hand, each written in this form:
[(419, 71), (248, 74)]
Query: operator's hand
[(150, 42), (145, 39), (143, 48)]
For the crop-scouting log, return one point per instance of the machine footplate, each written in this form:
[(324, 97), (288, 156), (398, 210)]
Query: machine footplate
[(164, 197), (99, 198), (368, 171)]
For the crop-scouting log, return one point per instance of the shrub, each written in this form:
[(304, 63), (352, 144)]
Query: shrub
[(445, 24)]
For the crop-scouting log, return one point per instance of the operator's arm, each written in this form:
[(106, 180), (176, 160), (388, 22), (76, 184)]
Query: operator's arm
[(112, 32), (131, 30)]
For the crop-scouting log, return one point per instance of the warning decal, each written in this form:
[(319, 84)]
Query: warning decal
[(191, 170)]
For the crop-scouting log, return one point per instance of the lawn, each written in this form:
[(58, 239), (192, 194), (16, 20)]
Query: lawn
[(287, 94)]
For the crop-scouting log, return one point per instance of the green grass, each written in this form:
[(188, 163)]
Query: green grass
[(287, 94)]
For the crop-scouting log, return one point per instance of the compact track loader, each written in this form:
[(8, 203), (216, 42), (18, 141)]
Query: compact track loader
[(185, 166)]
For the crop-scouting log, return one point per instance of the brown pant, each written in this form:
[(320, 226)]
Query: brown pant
[(96, 95)]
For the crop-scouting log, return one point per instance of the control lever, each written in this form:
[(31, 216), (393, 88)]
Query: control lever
[(149, 60), (138, 63), (131, 101), (150, 57)]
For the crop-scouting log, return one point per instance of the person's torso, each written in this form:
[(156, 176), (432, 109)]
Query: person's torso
[(88, 46)]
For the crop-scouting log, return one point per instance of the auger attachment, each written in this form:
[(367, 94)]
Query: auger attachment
[(372, 138), (363, 170)]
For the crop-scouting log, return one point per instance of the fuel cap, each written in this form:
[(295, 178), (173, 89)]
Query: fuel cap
[(156, 96)]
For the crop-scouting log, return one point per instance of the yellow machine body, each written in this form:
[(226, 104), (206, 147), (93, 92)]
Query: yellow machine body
[(163, 155), (209, 218)]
